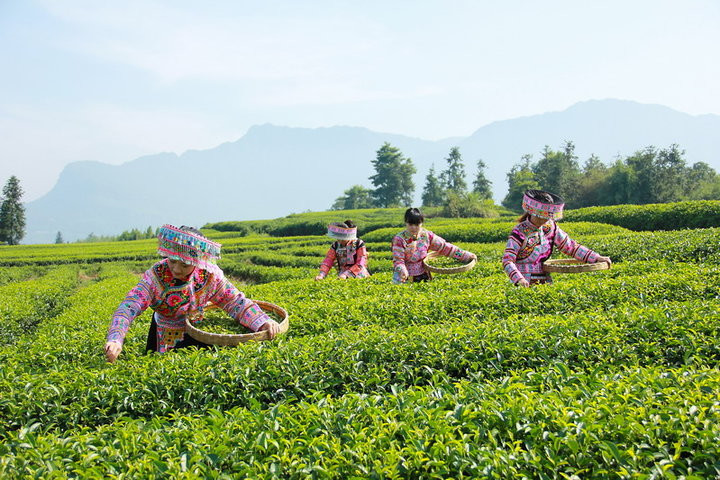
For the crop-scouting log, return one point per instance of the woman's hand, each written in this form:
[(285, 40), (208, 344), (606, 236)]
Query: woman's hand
[(319, 277), (523, 283), (473, 256), (112, 350), (606, 260), (272, 327)]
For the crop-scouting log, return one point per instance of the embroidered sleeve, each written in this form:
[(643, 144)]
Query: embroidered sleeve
[(512, 248), (328, 262), (447, 249), (233, 301), (362, 255), (135, 303), (398, 253), (572, 248)]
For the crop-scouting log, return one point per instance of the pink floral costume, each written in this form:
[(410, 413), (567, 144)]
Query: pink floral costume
[(172, 303), (350, 260), (529, 247), (409, 252)]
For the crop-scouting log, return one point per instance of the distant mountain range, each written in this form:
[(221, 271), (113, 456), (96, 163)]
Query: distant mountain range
[(273, 171)]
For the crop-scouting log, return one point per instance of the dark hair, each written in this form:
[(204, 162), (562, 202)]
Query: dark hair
[(350, 224), (543, 196), (414, 216)]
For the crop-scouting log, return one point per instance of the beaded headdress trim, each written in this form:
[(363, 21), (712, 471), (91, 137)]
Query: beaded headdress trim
[(188, 247), (340, 231), (541, 209)]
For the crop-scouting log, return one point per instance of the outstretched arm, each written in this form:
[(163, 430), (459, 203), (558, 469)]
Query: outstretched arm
[(326, 264), (135, 303), (512, 248), (573, 249), (398, 254), (447, 249)]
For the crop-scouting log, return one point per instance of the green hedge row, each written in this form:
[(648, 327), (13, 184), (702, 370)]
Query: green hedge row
[(555, 422), (488, 232), (660, 216), (344, 340), (25, 304)]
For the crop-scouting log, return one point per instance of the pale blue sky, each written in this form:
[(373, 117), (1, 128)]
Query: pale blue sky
[(111, 81)]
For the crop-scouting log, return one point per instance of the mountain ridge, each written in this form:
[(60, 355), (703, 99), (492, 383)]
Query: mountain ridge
[(273, 170)]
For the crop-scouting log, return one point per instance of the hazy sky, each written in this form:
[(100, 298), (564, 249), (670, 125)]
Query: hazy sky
[(114, 80)]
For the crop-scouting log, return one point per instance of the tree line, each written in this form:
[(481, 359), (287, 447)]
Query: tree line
[(650, 175), (125, 236), (394, 185)]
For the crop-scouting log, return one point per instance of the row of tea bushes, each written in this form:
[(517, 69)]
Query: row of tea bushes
[(553, 422), (489, 232), (21, 273), (660, 216), (701, 245), (292, 260), (315, 223), (480, 298), (344, 340), (24, 304)]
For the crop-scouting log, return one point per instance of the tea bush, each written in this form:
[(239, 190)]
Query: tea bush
[(660, 216), (610, 374)]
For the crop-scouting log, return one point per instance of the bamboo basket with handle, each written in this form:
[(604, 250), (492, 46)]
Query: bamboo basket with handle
[(570, 265), (449, 270), (225, 339)]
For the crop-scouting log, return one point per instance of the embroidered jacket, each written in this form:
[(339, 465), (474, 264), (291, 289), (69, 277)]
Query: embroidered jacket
[(529, 246), (172, 303), (350, 260), (409, 252)]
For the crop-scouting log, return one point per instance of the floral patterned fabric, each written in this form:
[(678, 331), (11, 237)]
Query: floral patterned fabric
[(172, 302), (528, 247), (409, 252), (350, 261)]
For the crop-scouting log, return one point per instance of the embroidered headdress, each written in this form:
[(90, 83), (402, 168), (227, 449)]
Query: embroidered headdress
[(188, 247), (543, 204), (340, 231)]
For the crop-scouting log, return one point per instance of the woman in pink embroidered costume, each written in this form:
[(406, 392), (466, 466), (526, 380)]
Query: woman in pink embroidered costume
[(411, 246), (347, 253), (532, 241), (183, 282)]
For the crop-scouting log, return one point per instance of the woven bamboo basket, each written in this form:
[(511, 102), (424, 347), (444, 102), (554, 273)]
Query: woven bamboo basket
[(224, 339), (450, 270), (570, 265)]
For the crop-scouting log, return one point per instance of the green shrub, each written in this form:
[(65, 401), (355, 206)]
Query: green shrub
[(469, 205), (660, 216)]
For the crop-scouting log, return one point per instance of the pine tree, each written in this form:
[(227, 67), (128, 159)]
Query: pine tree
[(12, 213), (393, 178), (433, 193), (453, 178), (59, 238), (481, 185)]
